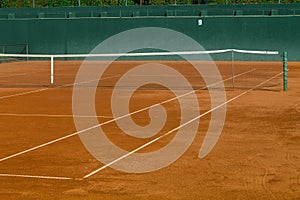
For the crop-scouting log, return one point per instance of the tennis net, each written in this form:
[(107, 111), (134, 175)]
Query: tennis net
[(238, 69), (13, 49)]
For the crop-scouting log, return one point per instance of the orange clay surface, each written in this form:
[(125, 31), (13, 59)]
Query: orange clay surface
[(256, 157)]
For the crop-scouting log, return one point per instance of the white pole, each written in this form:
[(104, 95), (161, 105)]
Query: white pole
[(79, 3), (33, 3), (52, 70), (232, 68)]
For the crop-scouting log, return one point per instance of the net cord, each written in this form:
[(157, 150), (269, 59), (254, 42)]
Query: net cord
[(141, 54)]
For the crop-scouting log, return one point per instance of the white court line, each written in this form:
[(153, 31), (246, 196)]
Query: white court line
[(171, 131), (40, 177), (50, 115), (6, 76), (43, 89), (112, 120), (23, 93)]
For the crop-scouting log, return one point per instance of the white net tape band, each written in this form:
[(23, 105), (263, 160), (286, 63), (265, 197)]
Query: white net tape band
[(141, 54)]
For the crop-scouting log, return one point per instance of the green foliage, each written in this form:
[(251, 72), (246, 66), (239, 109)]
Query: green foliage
[(161, 2)]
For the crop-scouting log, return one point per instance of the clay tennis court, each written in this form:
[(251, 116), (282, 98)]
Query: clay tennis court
[(256, 157)]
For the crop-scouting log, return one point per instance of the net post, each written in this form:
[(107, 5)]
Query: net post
[(232, 68), (285, 71), (27, 51), (52, 71)]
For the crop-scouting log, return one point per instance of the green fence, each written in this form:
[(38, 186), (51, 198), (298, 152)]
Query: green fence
[(80, 35)]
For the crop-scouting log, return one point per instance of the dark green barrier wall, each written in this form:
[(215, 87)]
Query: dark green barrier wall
[(65, 36)]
